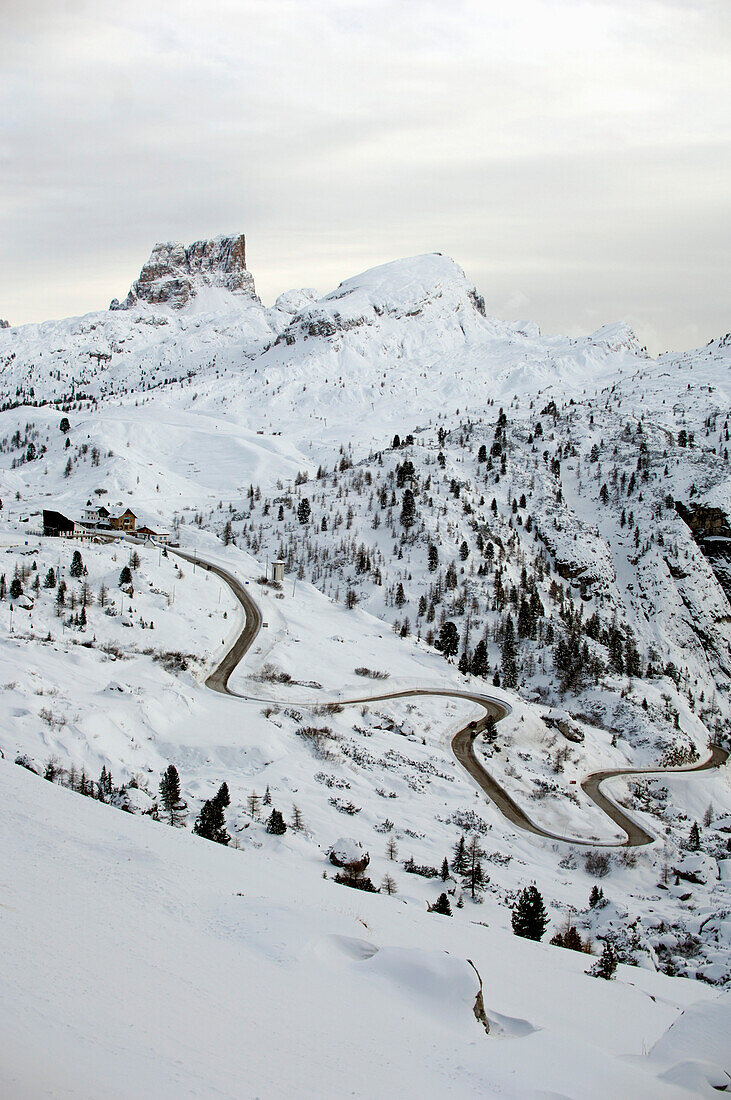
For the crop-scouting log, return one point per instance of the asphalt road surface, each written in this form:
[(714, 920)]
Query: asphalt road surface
[(463, 741)]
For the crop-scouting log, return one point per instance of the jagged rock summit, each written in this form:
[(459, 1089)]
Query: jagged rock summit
[(175, 273)]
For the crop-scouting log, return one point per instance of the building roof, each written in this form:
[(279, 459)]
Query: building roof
[(57, 519)]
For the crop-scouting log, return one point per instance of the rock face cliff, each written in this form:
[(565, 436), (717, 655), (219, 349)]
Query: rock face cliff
[(175, 272), (712, 531)]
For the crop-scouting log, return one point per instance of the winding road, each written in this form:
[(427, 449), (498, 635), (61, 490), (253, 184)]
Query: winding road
[(463, 740)]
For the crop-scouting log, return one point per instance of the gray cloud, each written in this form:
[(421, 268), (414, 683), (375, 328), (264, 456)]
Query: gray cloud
[(573, 157)]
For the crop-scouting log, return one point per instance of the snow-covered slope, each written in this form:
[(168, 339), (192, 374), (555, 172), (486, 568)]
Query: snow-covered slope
[(173, 967), (573, 492)]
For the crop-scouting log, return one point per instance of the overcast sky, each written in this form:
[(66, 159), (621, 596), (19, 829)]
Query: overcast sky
[(572, 155)]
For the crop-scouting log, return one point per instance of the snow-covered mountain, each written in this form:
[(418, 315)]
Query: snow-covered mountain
[(437, 482)]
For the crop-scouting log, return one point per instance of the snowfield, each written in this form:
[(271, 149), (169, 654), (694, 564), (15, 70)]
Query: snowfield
[(460, 503), (170, 966)]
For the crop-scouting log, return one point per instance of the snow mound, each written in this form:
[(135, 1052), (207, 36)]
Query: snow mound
[(134, 801), (432, 983), (347, 852), (691, 1046), (508, 1027), (696, 867)]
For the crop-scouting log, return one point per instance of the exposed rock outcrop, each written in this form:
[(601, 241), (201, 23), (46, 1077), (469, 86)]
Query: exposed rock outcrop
[(712, 531), (175, 272), (704, 522)]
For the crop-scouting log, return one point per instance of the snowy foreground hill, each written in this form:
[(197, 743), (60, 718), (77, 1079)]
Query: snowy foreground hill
[(461, 504), (140, 961)]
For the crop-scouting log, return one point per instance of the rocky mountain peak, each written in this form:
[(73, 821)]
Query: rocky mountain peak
[(175, 273)]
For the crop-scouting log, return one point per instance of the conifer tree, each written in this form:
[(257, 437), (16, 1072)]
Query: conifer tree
[(694, 839), (211, 824), (605, 966), (76, 568), (459, 858), (474, 877), (408, 510), (479, 659), (449, 639), (490, 730), (444, 873), (530, 919), (508, 666), (276, 825), (441, 905), (105, 784), (170, 793), (572, 939), (526, 622)]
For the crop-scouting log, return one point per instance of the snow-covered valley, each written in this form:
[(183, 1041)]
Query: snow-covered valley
[(459, 503)]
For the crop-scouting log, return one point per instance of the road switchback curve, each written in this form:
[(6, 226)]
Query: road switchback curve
[(463, 741)]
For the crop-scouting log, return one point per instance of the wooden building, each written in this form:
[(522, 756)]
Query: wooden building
[(125, 522)]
